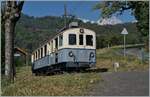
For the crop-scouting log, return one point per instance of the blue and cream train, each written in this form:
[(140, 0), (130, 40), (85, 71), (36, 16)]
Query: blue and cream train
[(70, 48)]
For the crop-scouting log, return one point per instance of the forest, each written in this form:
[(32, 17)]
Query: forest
[(32, 31)]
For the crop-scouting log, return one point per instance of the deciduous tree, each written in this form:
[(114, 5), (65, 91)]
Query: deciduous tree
[(11, 11), (140, 9)]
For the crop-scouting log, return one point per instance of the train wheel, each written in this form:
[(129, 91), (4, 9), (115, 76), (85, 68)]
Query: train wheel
[(36, 74)]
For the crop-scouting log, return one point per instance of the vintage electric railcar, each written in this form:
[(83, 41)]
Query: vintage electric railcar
[(70, 48)]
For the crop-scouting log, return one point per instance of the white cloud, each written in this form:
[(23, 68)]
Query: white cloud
[(86, 20), (109, 21), (92, 22), (134, 21)]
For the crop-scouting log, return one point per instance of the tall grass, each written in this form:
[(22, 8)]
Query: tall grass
[(107, 57), (64, 84)]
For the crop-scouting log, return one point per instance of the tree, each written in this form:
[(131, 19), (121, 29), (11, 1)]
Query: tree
[(140, 9), (11, 12)]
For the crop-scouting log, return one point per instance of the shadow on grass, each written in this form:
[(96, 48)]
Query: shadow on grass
[(93, 70), (97, 70)]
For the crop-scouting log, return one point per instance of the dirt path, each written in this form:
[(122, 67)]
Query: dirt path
[(122, 84)]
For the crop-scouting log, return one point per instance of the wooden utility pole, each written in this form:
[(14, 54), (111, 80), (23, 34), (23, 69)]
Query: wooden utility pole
[(65, 15)]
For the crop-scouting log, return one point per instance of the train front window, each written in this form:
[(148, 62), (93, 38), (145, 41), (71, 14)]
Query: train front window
[(89, 40), (80, 39), (72, 39), (60, 40)]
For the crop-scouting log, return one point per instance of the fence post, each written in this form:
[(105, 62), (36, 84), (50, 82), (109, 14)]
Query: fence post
[(142, 55)]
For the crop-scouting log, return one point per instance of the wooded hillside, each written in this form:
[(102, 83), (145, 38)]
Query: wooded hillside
[(31, 31)]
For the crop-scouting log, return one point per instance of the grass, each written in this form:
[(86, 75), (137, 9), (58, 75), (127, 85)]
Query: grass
[(64, 84), (69, 84), (107, 57)]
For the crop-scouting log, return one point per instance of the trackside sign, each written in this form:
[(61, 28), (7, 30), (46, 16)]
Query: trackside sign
[(124, 31)]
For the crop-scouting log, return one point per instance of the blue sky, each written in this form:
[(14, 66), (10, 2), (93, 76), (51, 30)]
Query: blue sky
[(81, 9)]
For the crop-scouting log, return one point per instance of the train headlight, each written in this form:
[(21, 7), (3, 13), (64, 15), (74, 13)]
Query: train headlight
[(91, 54), (70, 54)]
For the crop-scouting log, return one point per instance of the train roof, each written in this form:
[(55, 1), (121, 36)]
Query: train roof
[(57, 33)]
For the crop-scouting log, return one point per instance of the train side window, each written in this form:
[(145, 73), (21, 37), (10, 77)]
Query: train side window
[(36, 55), (41, 52), (56, 43), (80, 39), (45, 50), (89, 40), (72, 39), (60, 40), (32, 57)]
